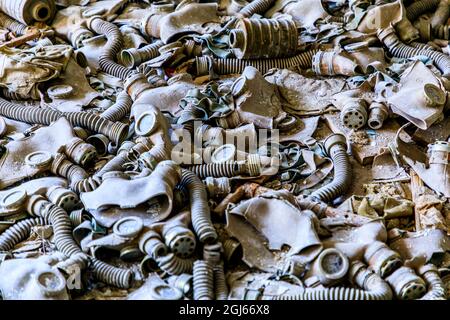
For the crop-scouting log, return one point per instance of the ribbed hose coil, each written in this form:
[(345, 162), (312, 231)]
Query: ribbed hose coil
[(236, 66), (418, 8), (115, 131), (374, 288), (12, 25), (442, 32), (400, 50), (212, 253), (156, 80), (218, 170), (41, 43), (264, 38), (120, 109), (421, 45), (13, 95), (173, 265), (220, 283), (132, 58), (118, 277), (62, 228), (77, 217), (10, 95), (333, 293), (309, 203), (257, 6), (161, 151), (19, 232), (79, 181), (203, 281), (62, 231), (342, 176), (86, 185), (111, 49), (187, 117), (200, 212)]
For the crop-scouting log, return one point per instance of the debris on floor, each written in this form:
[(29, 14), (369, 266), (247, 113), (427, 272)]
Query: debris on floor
[(215, 150)]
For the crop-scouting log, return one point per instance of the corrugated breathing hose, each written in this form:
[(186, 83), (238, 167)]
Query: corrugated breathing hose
[(115, 164), (132, 58), (79, 180), (12, 25), (418, 8), (120, 109), (118, 277), (111, 49), (220, 283), (19, 232), (29, 11), (160, 151), (336, 147), (62, 230), (421, 45), (436, 287), (62, 227), (203, 280), (217, 170), (308, 203), (234, 66), (201, 215), (400, 50), (115, 131), (373, 288), (173, 265), (13, 95), (257, 6)]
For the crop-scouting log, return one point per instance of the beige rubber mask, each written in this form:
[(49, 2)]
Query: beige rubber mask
[(369, 58), (256, 99), (382, 16), (420, 97), (305, 96), (304, 12), (21, 71), (192, 18), (70, 22), (156, 188), (34, 154), (419, 248), (351, 234), (433, 168), (279, 222), (164, 98), (71, 92)]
